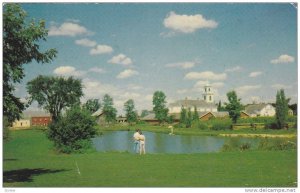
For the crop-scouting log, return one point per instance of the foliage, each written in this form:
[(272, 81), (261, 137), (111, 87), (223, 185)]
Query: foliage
[(108, 109), (234, 106), (131, 114), (145, 113), (196, 114), (73, 131), (294, 108), (92, 105), (281, 109), (277, 144), (189, 119), (221, 124), (55, 93), (256, 120), (220, 107), (170, 119), (159, 106), (20, 46), (183, 117), (6, 125), (200, 125)]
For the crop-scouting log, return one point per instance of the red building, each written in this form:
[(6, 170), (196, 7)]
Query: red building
[(40, 121)]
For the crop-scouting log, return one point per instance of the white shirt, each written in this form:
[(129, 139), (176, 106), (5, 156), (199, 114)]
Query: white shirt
[(136, 136)]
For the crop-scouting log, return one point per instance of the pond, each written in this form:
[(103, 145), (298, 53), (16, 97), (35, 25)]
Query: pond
[(121, 141)]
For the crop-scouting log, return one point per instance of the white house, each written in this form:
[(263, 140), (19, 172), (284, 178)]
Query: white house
[(263, 110), (22, 123), (203, 105)]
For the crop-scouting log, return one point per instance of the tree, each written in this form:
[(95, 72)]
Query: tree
[(73, 131), (281, 109), (160, 109), (220, 107), (129, 108), (196, 114), (189, 118), (109, 111), (92, 105), (145, 113), (183, 116), (234, 107), (55, 93), (20, 46)]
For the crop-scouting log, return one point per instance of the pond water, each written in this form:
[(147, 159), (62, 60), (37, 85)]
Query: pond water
[(164, 143)]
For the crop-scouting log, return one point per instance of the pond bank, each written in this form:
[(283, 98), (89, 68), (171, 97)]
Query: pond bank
[(260, 135)]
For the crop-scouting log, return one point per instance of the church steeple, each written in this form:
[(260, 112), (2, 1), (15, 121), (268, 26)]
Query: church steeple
[(208, 95)]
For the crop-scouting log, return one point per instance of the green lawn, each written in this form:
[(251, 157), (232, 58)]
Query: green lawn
[(30, 161)]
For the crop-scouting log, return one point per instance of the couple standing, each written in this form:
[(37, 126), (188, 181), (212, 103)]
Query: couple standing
[(139, 142)]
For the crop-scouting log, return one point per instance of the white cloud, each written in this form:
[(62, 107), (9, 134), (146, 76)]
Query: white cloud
[(206, 75), (281, 86), (68, 71), (283, 59), (68, 29), (187, 23), (86, 42), (97, 70), (182, 91), (120, 59), (184, 65), (255, 74), (234, 69), (101, 49), (246, 88), (127, 73), (134, 87)]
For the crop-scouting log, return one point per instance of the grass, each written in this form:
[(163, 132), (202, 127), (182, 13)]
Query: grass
[(195, 131), (30, 161)]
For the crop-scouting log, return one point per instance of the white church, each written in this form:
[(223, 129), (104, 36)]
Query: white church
[(203, 105)]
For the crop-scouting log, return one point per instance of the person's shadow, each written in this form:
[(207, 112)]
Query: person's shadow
[(26, 174)]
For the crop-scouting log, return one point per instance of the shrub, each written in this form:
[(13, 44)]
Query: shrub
[(245, 146), (201, 125), (271, 125), (276, 144), (73, 132), (231, 145), (224, 124)]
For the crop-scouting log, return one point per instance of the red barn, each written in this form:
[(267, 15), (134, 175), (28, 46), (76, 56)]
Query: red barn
[(40, 121)]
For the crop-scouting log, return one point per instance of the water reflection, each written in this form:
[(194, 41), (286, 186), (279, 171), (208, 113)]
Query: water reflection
[(163, 143)]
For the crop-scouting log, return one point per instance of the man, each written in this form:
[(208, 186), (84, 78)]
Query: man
[(136, 137)]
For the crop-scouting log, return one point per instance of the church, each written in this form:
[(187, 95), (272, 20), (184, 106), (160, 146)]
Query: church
[(204, 105)]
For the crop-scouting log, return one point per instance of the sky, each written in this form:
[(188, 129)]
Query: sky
[(131, 50)]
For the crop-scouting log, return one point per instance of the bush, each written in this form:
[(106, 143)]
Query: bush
[(224, 124), (276, 144), (245, 146), (202, 126), (271, 125), (73, 132)]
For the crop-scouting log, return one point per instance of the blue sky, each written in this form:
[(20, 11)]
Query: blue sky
[(131, 50)]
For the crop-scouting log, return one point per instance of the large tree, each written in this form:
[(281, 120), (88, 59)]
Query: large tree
[(21, 40), (55, 93), (281, 109), (160, 109), (234, 106), (131, 114), (92, 105), (108, 109)]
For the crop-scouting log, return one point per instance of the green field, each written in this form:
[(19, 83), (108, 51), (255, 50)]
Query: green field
[(30, 161)]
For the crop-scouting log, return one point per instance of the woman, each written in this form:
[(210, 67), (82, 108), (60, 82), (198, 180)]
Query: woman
[(142, 140)]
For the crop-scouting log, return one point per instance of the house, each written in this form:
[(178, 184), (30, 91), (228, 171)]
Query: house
[(264, 110), (290, 112), (100, 118), (150, 119), (208, 115), (121, 119), (203, 105), (41, 120), (21, 124), (244, 114)]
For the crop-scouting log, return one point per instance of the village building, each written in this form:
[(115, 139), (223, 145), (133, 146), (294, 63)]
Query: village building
[(203, 105), (21, 124), (262, 110)]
